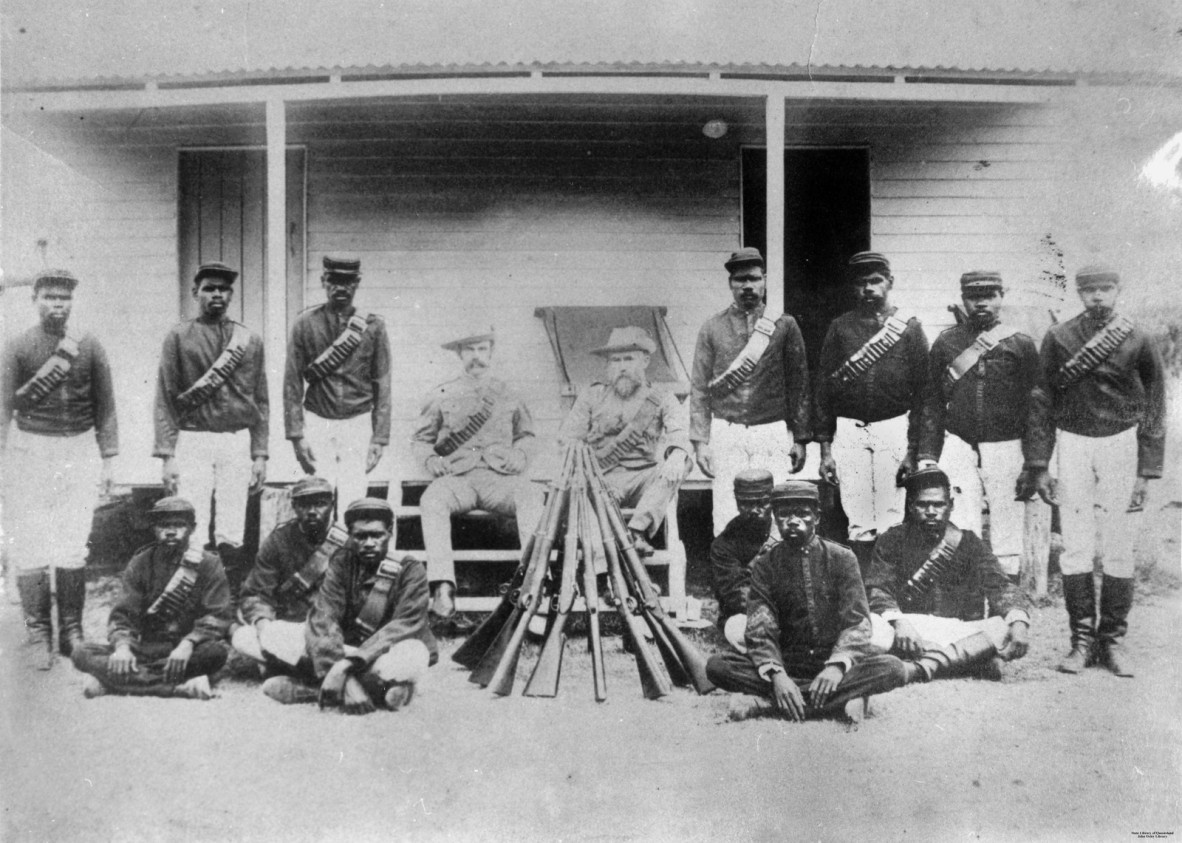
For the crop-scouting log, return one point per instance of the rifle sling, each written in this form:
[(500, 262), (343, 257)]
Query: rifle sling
[(612, 451), (50, 376), (369, 619)]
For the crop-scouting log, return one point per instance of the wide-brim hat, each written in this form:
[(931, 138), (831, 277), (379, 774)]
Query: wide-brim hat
[(54, 278), (796, 490), (346, 266), (310, 487), (173, 506), (368, 507), (1097, 273), (630, 338), (473, 335), (216, 269), (754, 484), (746, 256)]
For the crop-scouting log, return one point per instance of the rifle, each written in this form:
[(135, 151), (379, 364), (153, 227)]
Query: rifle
[(543, 682), (505, 671), (684, 653), (513, 605), (654, 680), (589, 536), (473, 649)]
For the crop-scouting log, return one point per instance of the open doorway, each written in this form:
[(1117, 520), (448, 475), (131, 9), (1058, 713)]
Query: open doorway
[(826, 219)]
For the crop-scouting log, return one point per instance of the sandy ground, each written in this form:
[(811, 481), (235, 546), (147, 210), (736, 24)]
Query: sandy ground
[(1039, 756)]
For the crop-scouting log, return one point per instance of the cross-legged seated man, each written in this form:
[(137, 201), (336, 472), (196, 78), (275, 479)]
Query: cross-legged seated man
[(746, 536), (278, 591), (165, 633), (931, 582), (367, 637), (808, 625)]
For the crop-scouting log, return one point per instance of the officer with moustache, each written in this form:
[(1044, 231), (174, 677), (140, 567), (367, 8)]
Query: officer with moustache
[(336, 385)]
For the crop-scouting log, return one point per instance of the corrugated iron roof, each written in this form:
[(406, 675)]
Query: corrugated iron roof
[(61, 42)]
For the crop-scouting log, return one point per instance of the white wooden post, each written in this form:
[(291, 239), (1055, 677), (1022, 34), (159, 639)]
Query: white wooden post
[(275, 293), (774, 120)]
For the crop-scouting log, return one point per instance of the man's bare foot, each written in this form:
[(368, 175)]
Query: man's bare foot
[(399, 695), (92, 688), (197, 688), (288, 691), (443, 604)]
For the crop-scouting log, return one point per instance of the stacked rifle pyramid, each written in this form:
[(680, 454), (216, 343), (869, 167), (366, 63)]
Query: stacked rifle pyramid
[(583, 522)]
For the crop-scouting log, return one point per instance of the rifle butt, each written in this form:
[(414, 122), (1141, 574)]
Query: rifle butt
[(505, 673), (691, 657), (543, 681), (482, 674), (473, 649)]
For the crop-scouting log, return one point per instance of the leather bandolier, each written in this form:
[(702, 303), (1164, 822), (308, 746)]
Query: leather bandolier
[(329, 360), (861, 361), (307, 579), (610, 453), (1095, 351), (217, 374), (50, 376), (982, 345), (179, 589), (938, 563), (449, 443), (369, 619), (743, 366)]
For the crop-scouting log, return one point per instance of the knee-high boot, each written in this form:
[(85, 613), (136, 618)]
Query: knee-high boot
[(36, 601), (1116, 598), (1079, 593), (71, 597), (943, 660)]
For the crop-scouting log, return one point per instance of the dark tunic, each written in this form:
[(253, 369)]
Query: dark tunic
[(990, 403), (778, 389), (1126, 390), (281, 555), (731, 554), (361, 384), (332, 623), (189, 350), (85, 400), (974, 579), (807, 608), (204, 617), (895, 385)]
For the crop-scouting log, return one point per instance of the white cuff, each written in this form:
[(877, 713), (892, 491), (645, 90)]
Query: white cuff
[(1017, 615)]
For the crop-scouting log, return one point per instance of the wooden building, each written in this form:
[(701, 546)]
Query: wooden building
[(485, 160)]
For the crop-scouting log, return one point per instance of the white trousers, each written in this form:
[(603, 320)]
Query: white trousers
[(50, 492), (1096, 479), (988, 474), (340, 447), (867, 457), (938, 631), (282, 639), (215, 464), (737, 447)]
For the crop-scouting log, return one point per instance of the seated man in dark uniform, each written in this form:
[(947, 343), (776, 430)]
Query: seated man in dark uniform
[(367, 637), (808, 625), (931, 582), (746, 536), (278, 591), (166, 631)]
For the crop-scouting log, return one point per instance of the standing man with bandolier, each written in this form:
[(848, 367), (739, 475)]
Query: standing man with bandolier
[(1100, 405), (212, 410), (982, 374), (868, 405), (56, 384), (336, 385), (749, 399)]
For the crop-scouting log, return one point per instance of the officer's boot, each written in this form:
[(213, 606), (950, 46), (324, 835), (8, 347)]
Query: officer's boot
[(36, 601), (1116, 598), (1079, 593), (945, 660), (71, 596)]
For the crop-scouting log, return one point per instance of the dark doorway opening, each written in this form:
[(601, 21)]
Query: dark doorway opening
[(826, 219)]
